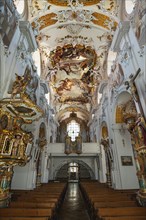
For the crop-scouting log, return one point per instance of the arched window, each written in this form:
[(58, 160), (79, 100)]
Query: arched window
[(73, 167), (19, 6), (37, 60), (73, 129), (110, 61), (48, 97), (129, 6)]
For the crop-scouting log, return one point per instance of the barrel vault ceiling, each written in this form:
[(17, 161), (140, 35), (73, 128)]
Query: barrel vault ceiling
[(74, 37)]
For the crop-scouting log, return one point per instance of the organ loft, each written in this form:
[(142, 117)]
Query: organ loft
[(72, 109)]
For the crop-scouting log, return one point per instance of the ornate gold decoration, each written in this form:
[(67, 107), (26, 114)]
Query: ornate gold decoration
[(119, 114), (5, 120), (5, 182), (103, 20), (46, 21), (13, 146), (69, 55), (137, 127), (104, 132), (65, 2), (19, 85), (73, 109), (129, 114), (22, 107)]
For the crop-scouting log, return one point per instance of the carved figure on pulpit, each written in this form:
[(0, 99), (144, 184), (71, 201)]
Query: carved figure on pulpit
[(7, 146), (18, 146)]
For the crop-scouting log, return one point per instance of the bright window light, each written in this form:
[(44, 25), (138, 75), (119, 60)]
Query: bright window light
[(48, 97), (129, 5), (73, 129), (37, 61), (19, 5), (111, 58), (73, 167)]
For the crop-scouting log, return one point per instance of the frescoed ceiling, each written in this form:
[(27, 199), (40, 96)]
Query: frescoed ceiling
[(73, 38)]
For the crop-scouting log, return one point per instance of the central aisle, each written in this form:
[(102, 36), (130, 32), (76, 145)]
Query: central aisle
[(73, 207)]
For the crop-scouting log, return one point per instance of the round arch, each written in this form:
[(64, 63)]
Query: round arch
[(121, 100), (22, 9), (80, 162)]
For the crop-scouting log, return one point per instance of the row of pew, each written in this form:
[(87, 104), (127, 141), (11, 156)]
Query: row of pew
[(104, 203), (41, 203)]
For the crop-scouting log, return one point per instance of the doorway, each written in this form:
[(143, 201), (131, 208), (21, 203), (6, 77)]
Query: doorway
[(73, 172)]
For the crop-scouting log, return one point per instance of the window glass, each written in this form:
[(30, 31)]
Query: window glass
[(129, 5), (73, 167), (73, 129), (110, 61), (37, 61), (19, 5)]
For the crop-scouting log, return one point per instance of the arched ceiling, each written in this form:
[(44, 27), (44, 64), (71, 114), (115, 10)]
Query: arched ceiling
[(74, 37)]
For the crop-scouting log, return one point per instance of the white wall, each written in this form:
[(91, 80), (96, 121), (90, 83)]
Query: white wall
[(87, 148), (127, 174), (23, 177)]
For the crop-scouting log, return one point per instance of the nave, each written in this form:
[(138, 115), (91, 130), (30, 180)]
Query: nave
[(88, 200), (72, 107), (73, 207)]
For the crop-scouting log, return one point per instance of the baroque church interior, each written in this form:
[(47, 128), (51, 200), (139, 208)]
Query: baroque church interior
[(72, 109)]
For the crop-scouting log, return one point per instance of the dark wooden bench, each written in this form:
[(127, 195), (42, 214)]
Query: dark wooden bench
[(115, 204), (27, 204), (121, 211), (24, 218), (31, 199), (125, 218), (28, 212)]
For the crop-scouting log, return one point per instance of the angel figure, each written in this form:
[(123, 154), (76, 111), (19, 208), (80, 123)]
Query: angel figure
[(19, 85)]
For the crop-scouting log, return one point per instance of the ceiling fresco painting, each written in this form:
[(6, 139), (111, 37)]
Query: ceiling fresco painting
[(73, 37)]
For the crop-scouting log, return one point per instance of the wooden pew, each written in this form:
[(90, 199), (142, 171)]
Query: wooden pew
[(109, 204), (125, 218), (121, 211), (24, 218), (38, 204), (28, 204), (31, 199), (28, 212), (115, 204)]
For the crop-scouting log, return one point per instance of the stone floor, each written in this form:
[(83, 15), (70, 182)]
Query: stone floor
[(73, 207)]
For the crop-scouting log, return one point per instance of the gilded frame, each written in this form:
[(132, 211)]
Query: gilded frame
[(7, 145), (126, 161)]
